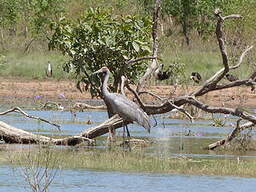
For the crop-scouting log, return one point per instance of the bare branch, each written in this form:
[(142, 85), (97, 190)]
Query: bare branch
[(142, 105), (114, 122), (13, 135), (19, 110), (210, 109), (233, 16), (123, 83), (152, 94), (182, 111), (220, 38), (211, 83), (241, 58), (231, 136), (140, 59), (82, 106)]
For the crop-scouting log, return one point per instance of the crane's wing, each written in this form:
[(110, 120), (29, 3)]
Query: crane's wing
[(130, 111)]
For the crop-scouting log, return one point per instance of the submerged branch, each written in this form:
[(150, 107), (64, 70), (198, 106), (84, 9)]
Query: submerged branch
[(19, 110), (82, 106), (232, 135)]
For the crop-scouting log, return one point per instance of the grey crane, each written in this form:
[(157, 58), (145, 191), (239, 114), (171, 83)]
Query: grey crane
[(121, 105)]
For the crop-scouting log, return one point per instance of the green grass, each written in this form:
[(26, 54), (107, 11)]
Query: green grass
[(138, 161), (33, 65), (203, 57)]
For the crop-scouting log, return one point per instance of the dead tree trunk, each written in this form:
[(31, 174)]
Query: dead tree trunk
[(13, 135), (154, 64)]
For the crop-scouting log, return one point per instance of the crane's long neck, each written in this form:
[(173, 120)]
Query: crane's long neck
[(104, 87)]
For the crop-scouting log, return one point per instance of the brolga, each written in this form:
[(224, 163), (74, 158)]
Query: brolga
[(121, 105), (49, 69)]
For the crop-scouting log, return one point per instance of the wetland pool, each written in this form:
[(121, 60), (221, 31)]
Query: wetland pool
[(171, 137)]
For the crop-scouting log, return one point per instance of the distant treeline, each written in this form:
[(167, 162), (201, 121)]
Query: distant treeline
[(23, 22)]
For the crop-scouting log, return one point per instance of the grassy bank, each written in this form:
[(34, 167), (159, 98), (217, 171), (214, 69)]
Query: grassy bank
[(33, 65), (204, 58), (135, 161)]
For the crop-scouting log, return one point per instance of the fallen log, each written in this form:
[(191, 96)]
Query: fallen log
[(10, 134), (82, 106), (114, 122)]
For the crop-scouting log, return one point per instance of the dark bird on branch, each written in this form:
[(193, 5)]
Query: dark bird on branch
[(231, 78), (121, 105), (162, 75), (196, 77), (48, 70)]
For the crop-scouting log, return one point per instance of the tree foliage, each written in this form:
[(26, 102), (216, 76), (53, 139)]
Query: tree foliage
[(34, 14), (101, 39)]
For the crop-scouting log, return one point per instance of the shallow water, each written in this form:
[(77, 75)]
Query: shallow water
[(98, 181), (70, 125), (170, 136)]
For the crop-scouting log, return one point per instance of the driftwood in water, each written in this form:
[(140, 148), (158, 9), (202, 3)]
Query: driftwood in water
[(11, 134), (19, 110), (231, 136), (82, 106)]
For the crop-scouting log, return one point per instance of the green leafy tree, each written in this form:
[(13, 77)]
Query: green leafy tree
[(35, 14), (9, 13), (101, 39)]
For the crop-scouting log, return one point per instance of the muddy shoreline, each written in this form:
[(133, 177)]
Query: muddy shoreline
[(30, 92)]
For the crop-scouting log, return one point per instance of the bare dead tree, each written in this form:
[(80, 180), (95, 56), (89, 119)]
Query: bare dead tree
[(154, 64)]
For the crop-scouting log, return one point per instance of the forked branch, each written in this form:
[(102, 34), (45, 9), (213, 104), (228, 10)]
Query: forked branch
[(211, 83), (231, 136), (19, 110)]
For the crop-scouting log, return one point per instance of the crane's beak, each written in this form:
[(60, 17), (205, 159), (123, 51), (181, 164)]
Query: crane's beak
[(96, 72)]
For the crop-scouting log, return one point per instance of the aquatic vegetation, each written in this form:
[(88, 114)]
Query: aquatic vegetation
[(116, 159), (38, 167)]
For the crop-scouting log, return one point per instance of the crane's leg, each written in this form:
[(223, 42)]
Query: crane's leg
[(126, 142), (111, 137), (127, 131), (123, 132)]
